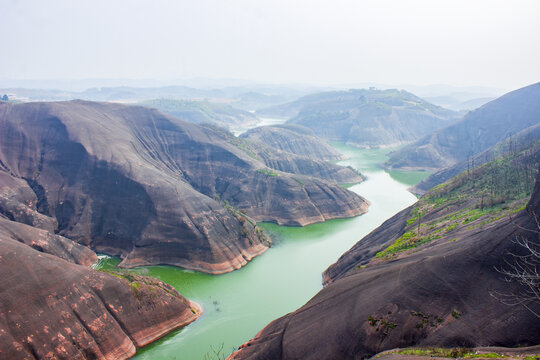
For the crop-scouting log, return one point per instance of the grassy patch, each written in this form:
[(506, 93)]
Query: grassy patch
[(463, 353), (489, 192), (407, 241), (267, 172)]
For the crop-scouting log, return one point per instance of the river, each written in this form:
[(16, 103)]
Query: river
[(239, 304), (263, 121)]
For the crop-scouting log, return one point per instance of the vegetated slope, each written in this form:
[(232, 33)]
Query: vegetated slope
[(293, 139), (467, 202), (523, 140), (479, 129), (52, 308), (429, 276), (130, 181), (367, 118), (203, 112), (487, 352)]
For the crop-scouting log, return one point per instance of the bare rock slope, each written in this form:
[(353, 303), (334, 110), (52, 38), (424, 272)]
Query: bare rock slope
[(294, 139), (52, 308), (476, 132), (430, 276), (130, 181), (295, 149)]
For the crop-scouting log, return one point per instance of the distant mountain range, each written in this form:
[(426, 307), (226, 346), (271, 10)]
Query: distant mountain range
[(365, 117), (242, 97), (477, 131), (204, 112)]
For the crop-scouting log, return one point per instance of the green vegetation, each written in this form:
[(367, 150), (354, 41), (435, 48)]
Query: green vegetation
[(473, 199), (462, 353), (456, 314), (407, 241), (136, 282), (245, 146), (268, 172), (381, 325), (426, 320), (300, 182)]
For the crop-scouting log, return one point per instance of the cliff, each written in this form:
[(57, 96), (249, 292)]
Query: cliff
[(476, 132), (51, 308), (431, 276), (131, 181), (295, 140), (294, 149)]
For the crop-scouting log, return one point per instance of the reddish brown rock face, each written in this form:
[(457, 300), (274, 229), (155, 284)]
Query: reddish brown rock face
[(50, 308), (44, 241), (129, 181), (444, 294)]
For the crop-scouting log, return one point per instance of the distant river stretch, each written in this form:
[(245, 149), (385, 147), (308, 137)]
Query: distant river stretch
[(239, 304)]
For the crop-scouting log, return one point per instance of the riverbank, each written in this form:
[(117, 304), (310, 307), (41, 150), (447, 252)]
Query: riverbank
[(239, 304)]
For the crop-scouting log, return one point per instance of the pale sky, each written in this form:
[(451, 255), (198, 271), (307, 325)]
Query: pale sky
[(457, 42)]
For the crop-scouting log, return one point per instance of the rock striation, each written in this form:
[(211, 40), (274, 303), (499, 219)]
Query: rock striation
[(52, 308), (399, 289), (294, 149), (294, 139), (47, 242), (131, 181)]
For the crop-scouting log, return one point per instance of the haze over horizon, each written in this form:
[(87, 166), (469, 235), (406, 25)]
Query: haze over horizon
[(483, 43)]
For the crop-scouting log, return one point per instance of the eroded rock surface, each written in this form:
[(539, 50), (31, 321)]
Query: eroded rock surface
[(51, 308), (293, 139), (294, 149), (130, 181), (47, 242), (446, 292)]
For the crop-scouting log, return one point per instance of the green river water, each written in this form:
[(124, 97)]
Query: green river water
[(239, 304)]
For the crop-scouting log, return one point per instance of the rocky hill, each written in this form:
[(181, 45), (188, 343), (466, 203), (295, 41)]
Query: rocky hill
[(287, 162), (131, 181), (431, 276), (203, 112), (293, 139), (53, 308), (479, 130), (523, 140), (366, 118), (294, 149)]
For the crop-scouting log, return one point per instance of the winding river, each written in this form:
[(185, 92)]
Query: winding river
[(239, 304)]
